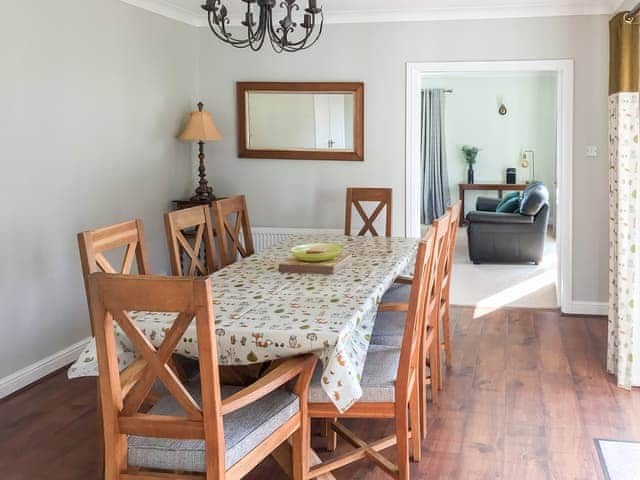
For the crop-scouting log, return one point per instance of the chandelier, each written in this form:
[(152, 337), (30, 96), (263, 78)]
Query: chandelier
[(284, 34)]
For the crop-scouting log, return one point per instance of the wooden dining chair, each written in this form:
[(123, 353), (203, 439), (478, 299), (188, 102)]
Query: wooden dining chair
[(233, 228), (430, 364), (184, 433), (445, 300), (355, 198), (195, 257), (390, 383), (93, 246)]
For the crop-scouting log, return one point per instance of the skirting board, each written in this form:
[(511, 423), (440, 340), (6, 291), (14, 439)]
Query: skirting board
[(34, 372), (578, 307)]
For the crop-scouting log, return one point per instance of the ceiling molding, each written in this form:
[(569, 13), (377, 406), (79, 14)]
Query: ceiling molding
[(467, 13), (170, 10), (548, 8)]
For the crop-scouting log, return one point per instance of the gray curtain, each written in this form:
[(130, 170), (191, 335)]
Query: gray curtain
[(435, 181)]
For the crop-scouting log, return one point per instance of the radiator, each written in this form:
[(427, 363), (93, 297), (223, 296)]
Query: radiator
[(265, 237)]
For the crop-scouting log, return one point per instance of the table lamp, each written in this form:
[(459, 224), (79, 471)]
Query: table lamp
[(201, 128)]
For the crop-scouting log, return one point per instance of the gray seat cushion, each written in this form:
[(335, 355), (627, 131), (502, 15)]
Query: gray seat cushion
[(378, 378), (389, 326), (397, 293), (243, 431)]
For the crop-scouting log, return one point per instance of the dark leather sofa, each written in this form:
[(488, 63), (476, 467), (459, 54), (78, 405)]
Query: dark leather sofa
[(519, 237)]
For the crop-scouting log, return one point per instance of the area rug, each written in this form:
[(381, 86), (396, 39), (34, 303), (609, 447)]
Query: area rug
[(488, 287), (620, 460)]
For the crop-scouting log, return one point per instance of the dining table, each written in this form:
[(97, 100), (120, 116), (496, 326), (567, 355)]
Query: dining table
[(262, 315)]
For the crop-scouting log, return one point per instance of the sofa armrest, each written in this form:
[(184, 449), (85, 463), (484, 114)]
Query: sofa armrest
[(496, 217), (487, 204)]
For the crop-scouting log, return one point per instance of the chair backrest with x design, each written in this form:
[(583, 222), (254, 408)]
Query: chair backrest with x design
[(94, 244), (196, 257), (112, 298), (355, 198), (233, 228)]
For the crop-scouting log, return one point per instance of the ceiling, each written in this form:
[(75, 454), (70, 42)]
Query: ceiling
[(358, 11)]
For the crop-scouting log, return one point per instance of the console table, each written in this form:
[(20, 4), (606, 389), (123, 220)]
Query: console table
[(499, 187)]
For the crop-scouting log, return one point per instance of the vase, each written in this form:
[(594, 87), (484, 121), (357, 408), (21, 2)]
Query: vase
[(470, 174)]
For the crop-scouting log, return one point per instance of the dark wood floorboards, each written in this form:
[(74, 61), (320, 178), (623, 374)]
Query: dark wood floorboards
[(525, 398)]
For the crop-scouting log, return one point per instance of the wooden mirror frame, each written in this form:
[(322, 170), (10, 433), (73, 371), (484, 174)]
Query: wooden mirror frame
[(242, 88)]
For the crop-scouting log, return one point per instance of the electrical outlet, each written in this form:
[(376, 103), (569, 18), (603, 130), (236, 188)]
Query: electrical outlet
[(592, 151)]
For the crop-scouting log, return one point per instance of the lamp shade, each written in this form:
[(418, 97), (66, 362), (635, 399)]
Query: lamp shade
[(200, 127)]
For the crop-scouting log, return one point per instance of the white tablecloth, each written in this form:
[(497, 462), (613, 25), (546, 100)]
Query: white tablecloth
[(262, 314)]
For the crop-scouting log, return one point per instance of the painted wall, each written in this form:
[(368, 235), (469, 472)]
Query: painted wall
[(93, 95), (311, 193), (471, 118)]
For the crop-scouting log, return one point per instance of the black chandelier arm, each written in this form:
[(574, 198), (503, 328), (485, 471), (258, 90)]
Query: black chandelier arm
[(257, 40), (223, 35), (304, 43), (253, 36)]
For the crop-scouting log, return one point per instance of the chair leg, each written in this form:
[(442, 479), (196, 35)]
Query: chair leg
[(447, 333), (436, 363), (332, 436), (402, 434), (100, 437), (434, 371), (301, 444), (422, 393), (416, 416), (324, 428)]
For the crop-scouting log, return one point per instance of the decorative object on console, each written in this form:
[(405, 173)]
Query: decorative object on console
[(470, 155), (528, 161), (201, 128), (279, 32), (511, 176)]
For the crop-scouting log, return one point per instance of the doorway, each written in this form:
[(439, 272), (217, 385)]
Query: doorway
[(522, 282)]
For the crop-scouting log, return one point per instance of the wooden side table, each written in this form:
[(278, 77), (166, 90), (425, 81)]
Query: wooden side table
[(500, 187), (182, 204)]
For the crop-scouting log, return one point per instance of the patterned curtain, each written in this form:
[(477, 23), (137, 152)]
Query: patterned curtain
[(435, 181), (623, 352)]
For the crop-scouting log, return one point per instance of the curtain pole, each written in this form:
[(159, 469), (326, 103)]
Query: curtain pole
[(630, 15)]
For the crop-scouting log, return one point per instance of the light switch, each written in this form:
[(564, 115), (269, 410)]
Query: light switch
[(592, 151)]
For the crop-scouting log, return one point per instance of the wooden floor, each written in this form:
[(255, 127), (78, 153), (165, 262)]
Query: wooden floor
[(525, 398)]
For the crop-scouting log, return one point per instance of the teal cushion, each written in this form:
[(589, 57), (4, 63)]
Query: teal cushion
[(512, 205), (506, 198)]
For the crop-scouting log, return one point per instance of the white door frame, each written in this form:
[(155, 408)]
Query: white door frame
[(564, 156)]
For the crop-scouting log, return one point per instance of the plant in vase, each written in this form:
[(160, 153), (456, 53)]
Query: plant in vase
[(470, 154)]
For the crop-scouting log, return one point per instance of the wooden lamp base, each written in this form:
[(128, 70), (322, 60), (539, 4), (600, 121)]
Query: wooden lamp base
[(204, 193)]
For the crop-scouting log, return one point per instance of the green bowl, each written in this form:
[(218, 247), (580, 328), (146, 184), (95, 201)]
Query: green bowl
[(316, 252)]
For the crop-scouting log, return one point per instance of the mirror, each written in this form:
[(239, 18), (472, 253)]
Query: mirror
[(315, 121)]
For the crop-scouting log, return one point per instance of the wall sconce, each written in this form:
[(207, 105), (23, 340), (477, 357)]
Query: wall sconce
[(502, 108)]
